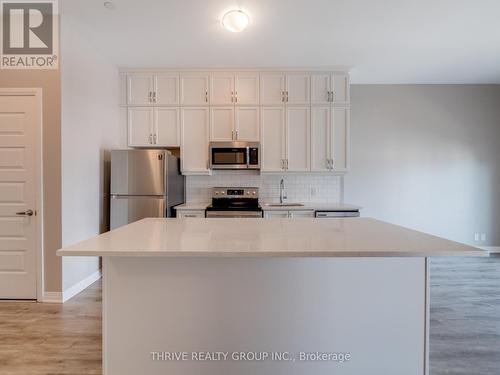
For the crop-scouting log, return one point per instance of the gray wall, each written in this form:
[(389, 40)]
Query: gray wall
[(428, 157)]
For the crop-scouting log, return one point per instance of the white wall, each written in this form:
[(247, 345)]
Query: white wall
[(90, 127), (428, 157)]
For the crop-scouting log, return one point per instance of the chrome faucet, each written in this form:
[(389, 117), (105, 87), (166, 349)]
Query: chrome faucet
[(282, 191)]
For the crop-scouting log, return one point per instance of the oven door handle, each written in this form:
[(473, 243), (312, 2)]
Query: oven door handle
[(237, 214)]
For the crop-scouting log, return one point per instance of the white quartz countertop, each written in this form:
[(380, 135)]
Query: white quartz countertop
[(352, 237), (266, 206)]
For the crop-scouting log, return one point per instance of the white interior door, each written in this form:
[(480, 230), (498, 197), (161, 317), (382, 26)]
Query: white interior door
[(167, 127), (140, 89), (298, 89), (194, 140), (166, 89), (247, 123), (273, 134), (247, 89), (320, 138), (194, 89), (272, 87), (298, 132), (20, 124), (140, 126), (222, 123), (222, 89)]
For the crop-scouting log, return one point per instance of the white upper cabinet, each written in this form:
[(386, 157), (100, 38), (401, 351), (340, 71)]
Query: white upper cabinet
[(140, 88), (321, 137), (167, 131), (222, 89), (341, 88), (246, 87), (298, 89), (298, 132), (194, 140), (320, 88), (341, 134), (247, 121), (272, 88), (222, 123), (194, 89), (140, 126), (166, 90), (272, 139)]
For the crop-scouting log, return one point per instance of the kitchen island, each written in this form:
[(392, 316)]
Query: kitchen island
[(255, 296)]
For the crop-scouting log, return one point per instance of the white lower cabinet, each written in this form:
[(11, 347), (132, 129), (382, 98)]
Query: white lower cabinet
[(194, 140), (153, 126), (293, 214), (190, 213)]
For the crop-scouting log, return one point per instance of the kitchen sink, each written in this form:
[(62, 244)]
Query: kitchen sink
[(284, 205)]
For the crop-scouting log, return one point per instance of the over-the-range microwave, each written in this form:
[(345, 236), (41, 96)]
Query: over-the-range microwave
[(234, 155)]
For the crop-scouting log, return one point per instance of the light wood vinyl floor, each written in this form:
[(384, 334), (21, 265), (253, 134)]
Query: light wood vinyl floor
[(43, 339)]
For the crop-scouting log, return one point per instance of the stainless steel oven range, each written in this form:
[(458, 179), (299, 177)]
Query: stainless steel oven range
[(235, 202)]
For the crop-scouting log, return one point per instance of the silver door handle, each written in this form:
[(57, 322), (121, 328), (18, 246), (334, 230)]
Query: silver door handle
[(206, 96), (287, 96), (151, 139), (154, 96), (154, 138), (232, 135), (150, 97), (331, 96), (25, 213), (282, 164), (236, 135), (232, 96), (236, 96)]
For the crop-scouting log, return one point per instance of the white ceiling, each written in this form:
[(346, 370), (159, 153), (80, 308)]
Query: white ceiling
[(384, 41)]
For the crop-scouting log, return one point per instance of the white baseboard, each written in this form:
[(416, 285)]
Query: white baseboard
[(61, 297), (491, 249), (78, 287), (52, 297)]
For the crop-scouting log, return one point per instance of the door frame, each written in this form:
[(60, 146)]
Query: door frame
[(38, 186)]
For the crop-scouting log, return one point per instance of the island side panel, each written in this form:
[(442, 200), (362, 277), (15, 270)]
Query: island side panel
[(373, 308)]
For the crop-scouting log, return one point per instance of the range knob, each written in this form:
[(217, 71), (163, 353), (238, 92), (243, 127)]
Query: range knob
[(254, 192)]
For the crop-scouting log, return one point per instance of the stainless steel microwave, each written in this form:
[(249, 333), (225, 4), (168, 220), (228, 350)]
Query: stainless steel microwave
[(234, 155)]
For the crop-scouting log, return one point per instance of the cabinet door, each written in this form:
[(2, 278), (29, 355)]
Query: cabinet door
[(222, 123), (298, 89), (320, 138), (194, 140), (320, 86), (140, 126), (166, 89), (272, 133), (167, 127), (272, 87), (247, 89), (194, 89), (340, 88), (298, 132), (190, 213), (140, 89), (340, 141), (301, 214), (276, 214), (247, 123), (222, 89)]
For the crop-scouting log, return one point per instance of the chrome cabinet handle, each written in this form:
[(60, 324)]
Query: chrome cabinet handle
[(282, 163), (236, 138), (329, 97), (236, 96), (25, 213), (287, 96), (154, 96), (150, 139), (232, 135), (154, 138), (206, 96), (150, 97), (232, 96)]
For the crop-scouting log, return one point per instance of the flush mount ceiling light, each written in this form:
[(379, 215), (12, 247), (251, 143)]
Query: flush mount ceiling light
[(235, 20)]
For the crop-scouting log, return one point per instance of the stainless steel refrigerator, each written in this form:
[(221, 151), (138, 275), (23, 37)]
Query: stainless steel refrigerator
[(144, 183)]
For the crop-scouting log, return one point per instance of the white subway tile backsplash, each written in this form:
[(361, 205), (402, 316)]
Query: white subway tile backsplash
[(299, 187)]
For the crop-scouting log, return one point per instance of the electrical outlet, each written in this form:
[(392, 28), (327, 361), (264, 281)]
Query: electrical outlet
[(476, 237)]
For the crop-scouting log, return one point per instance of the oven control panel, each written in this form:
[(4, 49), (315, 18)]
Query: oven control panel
[(232, 192)]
